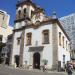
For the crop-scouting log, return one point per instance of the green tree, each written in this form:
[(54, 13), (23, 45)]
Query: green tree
[(45, 61)]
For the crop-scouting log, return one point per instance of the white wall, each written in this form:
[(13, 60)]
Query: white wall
[(37, 36), (47, 50), (16, 48), (63, 51), (19, 25)]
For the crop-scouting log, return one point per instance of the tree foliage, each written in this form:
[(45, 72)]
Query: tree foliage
[(45, 61)]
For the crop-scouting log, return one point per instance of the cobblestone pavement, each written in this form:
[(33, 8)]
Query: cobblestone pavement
[(4, 70)]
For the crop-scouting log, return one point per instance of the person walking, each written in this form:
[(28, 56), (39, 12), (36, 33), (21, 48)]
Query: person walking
[(69, 69), (43, 68)]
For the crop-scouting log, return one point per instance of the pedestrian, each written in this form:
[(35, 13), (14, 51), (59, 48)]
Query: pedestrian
[(15, 65), (69, 69), (43, 68)]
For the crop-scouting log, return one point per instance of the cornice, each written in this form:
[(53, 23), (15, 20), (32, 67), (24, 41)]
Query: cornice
[(19, 20), (52, 21), (63, 29)]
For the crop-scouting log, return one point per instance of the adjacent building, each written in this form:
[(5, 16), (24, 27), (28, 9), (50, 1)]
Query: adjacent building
[(9, 44), (68, 22), (37, 39), (5, 29)]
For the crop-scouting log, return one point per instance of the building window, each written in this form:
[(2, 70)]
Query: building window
[(60, 38), (18, 41), (66, 45), (63, 60), (1, 36), (63, 41), (46, 36), (37, 16), (19, 13), (32, 13), (3, 17), (25, 12), (69, 47), (29, 35)]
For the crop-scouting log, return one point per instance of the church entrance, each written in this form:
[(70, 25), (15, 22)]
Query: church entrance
[(36, 60)]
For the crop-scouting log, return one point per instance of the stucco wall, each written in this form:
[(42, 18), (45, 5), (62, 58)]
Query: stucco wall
[(63, 51), (16, 48), (37, 36), (47, 52)]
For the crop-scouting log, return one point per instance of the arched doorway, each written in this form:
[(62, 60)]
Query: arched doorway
[(36, 60)]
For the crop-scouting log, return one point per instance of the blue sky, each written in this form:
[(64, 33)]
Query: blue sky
[(62, 7)]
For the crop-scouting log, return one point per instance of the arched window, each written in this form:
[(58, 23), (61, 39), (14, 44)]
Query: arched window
[(29, 35), (46, 36), (19, 13)]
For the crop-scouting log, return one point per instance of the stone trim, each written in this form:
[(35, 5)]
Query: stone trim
[(19, 20), (55, 46), (63, 29), (20, 29), (43, 36), (21, 49), (11, 54), (36, 49)]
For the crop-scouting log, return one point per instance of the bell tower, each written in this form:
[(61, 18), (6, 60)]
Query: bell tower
[(23, 9), (26, 12)]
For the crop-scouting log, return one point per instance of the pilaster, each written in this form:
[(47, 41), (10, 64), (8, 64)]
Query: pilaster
[(21, 49), (11, 54), (55, 46)]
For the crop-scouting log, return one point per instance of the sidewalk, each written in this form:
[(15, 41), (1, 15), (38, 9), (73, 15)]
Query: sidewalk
[(37, 70), (33, 70)]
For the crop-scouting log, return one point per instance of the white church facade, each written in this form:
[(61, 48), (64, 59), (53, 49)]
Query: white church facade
[(38, 39)]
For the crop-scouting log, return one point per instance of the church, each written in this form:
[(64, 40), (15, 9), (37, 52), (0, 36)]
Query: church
[(38, 39)]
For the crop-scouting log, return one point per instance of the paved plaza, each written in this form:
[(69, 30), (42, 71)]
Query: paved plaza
[(5, 70)]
